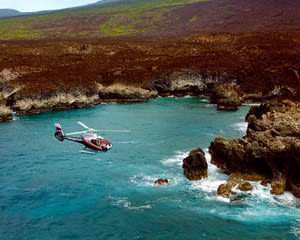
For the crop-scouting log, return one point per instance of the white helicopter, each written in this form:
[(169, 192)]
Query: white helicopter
[(93, 143)]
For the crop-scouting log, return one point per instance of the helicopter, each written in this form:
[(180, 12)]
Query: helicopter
[(93, 142)]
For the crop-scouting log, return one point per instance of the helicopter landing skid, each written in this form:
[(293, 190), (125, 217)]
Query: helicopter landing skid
[(87, 151)]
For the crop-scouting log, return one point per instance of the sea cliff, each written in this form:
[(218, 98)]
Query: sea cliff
[(270, 150)]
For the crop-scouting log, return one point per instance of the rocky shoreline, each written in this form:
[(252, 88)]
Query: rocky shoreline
[(268, 153), (222, 90), (270, 150), (38, 76)]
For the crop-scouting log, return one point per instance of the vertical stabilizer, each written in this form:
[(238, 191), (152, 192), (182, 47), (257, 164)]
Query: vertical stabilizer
[(59, 134)]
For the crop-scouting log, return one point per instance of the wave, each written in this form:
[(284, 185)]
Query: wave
[(205, 100), (251, 104), (258, 205), (210, 185), (241, 126), (15, 116), (125, 203), (176, 159), (295, 228), (142, 180)]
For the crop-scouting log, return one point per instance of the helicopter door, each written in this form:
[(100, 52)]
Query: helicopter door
[(96, 142)]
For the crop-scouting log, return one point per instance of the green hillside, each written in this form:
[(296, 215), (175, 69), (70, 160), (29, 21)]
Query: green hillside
[(114, 18), (106, 20)]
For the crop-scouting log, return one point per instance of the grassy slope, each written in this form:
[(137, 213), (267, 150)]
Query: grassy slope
[(115, 19)]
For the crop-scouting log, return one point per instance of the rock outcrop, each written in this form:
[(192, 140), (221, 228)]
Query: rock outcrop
[(5, 113), (195, 165), (7, 75), (226, 98), (270, 150), (235, 180), (278, 92), (60, 99), (225, 190), (188, 82), (122, 93), (245, 186), (161, 181)]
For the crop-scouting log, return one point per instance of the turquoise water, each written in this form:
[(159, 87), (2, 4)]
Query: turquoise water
[(49, 190)]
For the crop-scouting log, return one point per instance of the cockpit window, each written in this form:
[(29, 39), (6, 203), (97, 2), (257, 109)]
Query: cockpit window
[(96, 142)]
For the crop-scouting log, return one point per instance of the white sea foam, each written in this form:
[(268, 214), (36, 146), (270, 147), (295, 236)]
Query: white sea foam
[(205, 100), (176, 159), (254, 202), (124, 202), (14, 115), (142, 180), (295, 228), (251, 104), (210, 184), (241, 126), (210, 105)]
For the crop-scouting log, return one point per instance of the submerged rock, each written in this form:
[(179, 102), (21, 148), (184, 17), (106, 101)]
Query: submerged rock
[(195, 165), (224, 190), (245, 186), (278, 186), (270, 150), (161, 181)]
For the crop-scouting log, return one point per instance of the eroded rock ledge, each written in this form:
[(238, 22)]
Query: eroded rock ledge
[(223, 90), (270, 151), (54, 100), (121, 93)]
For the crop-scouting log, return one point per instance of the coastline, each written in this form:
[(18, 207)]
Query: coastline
[(41, 75), (70, 79)]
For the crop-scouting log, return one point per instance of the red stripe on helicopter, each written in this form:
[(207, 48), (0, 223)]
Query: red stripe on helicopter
[(92, 145)]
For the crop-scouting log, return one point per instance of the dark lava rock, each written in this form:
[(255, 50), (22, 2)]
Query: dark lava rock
[(195, 165), (245, 186), (224, 190), (271, 148), (161, 181), (226, 98), (5, 114)]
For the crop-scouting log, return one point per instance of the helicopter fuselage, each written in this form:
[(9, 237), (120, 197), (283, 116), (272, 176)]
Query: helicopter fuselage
[(89, 140)]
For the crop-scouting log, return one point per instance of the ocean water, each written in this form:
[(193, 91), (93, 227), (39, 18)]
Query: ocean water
[(49, 190)]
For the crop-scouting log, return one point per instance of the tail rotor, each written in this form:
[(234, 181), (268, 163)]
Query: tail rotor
[(59, 134)]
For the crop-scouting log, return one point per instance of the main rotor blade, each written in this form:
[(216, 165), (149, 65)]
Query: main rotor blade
[(97, 130), (74, 133), (83, 125)]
